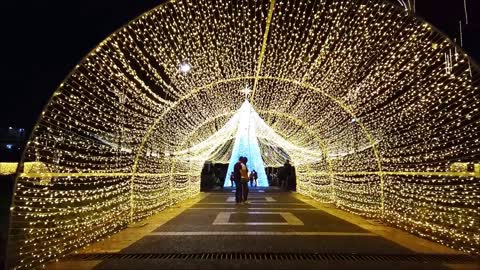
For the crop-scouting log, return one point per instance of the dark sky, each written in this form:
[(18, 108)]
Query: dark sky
[(46, 39)]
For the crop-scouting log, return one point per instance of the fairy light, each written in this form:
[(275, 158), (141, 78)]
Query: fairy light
[(185, 67), (367, 101), (246, 91)]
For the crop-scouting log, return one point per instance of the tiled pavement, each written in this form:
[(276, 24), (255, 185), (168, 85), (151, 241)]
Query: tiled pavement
[(273, 222)]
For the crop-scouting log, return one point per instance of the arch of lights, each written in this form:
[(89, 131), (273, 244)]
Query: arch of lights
[(378, 111)]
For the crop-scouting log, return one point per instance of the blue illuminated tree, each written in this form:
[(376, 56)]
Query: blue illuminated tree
[(246, 144)]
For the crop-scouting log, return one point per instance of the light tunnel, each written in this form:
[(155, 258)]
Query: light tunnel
[(377, 109)]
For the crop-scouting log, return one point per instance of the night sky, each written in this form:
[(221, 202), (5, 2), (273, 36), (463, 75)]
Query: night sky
[(42, 41)]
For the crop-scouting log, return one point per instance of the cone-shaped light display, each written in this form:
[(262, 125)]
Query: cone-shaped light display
[(246, 144)]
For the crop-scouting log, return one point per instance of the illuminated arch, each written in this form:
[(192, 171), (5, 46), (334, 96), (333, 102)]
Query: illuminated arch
[(390, 102)]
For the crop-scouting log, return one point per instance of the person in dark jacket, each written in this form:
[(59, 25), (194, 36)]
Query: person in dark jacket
[(244, 180), (286, 175), (237, 176), (253, 178), (232, 179)]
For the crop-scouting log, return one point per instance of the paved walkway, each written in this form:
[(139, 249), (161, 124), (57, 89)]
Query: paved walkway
[(272, 223)]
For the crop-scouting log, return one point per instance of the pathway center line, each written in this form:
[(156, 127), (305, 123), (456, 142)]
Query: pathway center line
[(266, 203), (254, 208), (261, 233), (223, 218), (265, 199)]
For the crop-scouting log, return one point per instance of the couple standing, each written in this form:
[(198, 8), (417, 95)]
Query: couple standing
[(240, 174)]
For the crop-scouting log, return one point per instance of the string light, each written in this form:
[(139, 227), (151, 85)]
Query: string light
[(367, 101), (185, 67), (246, 91)]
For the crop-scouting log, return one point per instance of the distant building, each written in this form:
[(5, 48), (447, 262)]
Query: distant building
[(12, 142)]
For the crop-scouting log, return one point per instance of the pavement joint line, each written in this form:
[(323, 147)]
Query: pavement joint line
[(250, 194), (398, 236), (128, 236), (223, 218), (267, 199), (227, 193), (372, 230), (267, 203), (262, 233), (249, 197), (257, 223), (260, 191), (254, 208)]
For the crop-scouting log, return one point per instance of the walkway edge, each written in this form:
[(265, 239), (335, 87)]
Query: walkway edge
[(128, 236), (402, 238)]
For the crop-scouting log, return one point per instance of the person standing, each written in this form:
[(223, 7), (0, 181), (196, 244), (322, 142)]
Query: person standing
[(287, 174), (232, 179), (254, 176), (250, 177), (237, 176), (244, 179)]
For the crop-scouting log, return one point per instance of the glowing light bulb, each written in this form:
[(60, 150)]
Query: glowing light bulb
[(185, 67), (246, 91)]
